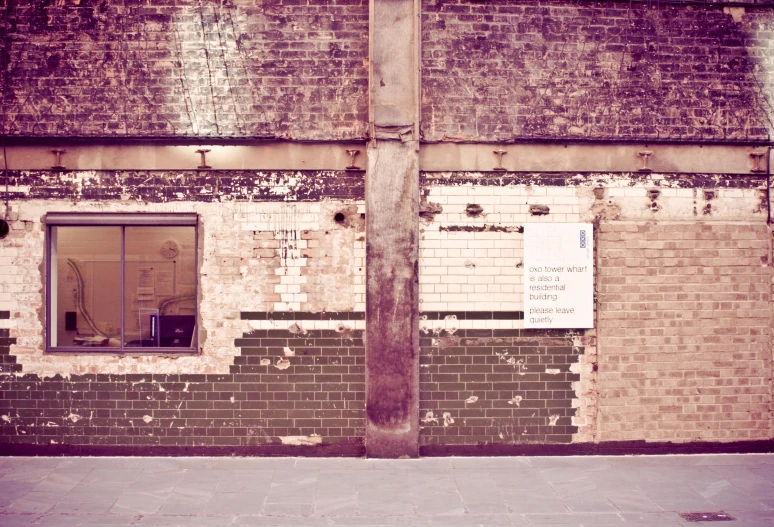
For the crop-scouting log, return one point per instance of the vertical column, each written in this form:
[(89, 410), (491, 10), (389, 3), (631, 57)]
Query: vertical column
[(392, 214)]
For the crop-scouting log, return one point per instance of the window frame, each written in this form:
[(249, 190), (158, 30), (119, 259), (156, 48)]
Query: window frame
[(123, 220)]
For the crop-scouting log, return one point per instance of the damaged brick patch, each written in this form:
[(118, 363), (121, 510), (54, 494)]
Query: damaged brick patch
[(188, 185)]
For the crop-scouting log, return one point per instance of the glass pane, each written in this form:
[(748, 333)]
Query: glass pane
[(85, 294), (160, 281)]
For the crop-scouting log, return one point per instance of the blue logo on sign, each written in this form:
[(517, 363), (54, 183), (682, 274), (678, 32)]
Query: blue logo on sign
[(582, 239)]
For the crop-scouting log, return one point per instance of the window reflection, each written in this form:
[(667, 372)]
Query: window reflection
[(160, 281), (86, 286), (145, 299)]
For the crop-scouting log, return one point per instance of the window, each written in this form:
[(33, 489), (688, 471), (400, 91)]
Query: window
[(121, 282)]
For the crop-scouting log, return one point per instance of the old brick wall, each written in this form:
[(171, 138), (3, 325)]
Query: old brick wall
[(274, 367), (484, 379), (181, 68), (684, 331), (500, 70)]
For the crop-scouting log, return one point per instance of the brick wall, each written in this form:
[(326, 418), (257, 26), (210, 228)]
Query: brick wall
[(312, 397), (281, 314), (476, 355), (182, 68), (499, 70), (684, 332), (496, 385), (485, 379)]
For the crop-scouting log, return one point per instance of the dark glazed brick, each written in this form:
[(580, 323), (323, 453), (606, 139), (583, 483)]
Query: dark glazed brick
[(479, 393), (319, 393)]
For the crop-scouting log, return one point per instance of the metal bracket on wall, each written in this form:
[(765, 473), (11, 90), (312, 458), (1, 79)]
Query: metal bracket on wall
[(58, 163), (499, 153), (645, 156), (352, 155), (757, 158), (203, 153)]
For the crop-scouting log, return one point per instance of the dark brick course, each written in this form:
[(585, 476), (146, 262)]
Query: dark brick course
[(321, 392), (496, 366), (188, 185), (588, 179)]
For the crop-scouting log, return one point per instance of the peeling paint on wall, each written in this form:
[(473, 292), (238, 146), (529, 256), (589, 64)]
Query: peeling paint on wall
[(309, 440)]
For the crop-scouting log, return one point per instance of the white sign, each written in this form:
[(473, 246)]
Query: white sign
[(558, 275)]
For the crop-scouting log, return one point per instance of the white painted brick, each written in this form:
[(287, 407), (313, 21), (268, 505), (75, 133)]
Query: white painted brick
[(456, 244), (565, 200), (635, 192), (562, 191), (434, 306), (479, 279), (462, 306), (483, 306), (454, 190), (461, 199)]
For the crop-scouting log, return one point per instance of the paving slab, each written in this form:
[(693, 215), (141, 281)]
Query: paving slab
[(444, 492)]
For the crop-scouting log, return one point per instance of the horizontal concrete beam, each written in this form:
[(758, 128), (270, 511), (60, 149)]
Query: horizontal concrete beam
[(266, 156), (549, 157), (440, 157)]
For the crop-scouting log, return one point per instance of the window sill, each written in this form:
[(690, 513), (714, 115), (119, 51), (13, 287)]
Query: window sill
[(104, 350)]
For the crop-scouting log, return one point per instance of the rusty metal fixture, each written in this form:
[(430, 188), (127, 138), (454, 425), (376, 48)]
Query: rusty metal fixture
[(499, 153), (599, 192), (539, 210), (352, 155), (645, 156), (757, 162), (709, 195), (474, 210), (58, 163), (203, 152), (653, 194)]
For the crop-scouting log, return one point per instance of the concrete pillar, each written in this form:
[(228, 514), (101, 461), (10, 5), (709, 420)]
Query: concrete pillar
[(392, 215)]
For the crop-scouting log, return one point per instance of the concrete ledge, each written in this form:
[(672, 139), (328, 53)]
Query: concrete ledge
[(608, 448)]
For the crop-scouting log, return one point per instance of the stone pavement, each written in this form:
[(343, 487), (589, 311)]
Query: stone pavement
[(453, 492)]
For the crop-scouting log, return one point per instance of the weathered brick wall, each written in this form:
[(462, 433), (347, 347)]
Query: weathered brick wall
[(313, 399), (483, 377), (273, 369), (501, 70), (684, 332), (477, 359), (497, 385), (277, 68)]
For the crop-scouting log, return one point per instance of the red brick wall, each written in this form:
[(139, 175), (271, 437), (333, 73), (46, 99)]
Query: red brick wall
[(684, 332), (276, 68), (500, 70)]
